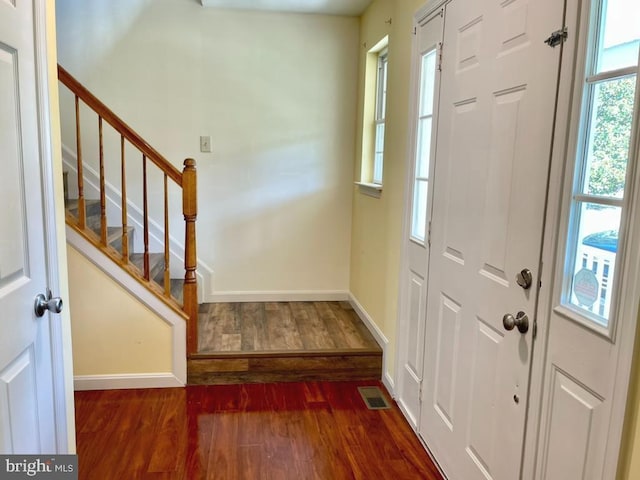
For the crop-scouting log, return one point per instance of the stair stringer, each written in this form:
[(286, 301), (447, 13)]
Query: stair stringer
[(113, 196), (178, 376)]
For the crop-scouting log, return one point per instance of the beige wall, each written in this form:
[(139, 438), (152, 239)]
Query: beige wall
[(277, 94), (377, 223), (113, 333)]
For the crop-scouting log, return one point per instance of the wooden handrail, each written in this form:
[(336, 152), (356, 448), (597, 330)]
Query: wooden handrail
[(186, 180), (119, 125)]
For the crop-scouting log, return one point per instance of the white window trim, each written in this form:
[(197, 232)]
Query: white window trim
[(576, 170), (371, 189)]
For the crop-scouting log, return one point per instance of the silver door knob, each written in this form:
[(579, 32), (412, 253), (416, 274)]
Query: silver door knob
[(521, 320), (524, 278), (43, 303)]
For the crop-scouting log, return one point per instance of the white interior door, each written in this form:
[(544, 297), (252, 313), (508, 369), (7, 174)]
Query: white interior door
[(26, 396), (417, 214), (497, 101)]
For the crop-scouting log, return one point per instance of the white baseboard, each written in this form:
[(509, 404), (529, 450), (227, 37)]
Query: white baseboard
[(281, 296), (126, 381), (388, 382), (380, 337)]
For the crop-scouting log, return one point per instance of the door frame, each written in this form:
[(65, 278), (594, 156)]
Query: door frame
[(53, 209)]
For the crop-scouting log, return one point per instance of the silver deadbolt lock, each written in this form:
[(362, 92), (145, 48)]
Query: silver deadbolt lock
[(524, 278), (521, 320), (51, 303)]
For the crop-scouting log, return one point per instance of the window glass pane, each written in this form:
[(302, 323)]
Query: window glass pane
[(595, 247), (383, 99), (419, 220), (379, 137), (379, 154), (381, 87), (620, 35), (609, 136), (377, 169), (424, 147), (427, 81)]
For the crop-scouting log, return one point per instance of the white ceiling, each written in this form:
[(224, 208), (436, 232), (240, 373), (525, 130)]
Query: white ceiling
[(328, 7)]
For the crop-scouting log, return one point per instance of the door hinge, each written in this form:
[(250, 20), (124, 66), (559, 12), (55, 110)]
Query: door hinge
[(440, 56), (557, 37), (415, 30), (420, 392), (429, 234), (535, 328)]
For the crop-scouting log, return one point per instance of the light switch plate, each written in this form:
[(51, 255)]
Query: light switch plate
[(205, 144)]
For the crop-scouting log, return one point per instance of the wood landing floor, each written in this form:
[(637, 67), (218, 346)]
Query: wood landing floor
[(310, 430), (281, 326), (282, 341)]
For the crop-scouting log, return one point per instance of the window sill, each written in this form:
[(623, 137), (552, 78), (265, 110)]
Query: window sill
[(371, 189)]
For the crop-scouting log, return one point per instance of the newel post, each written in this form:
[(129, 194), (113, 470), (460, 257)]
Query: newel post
[(190, 291)]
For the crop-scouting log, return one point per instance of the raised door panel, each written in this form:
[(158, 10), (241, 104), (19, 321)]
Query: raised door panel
[(575, 421), (13, 260), (498, 192), (446, 366), (19, 430)]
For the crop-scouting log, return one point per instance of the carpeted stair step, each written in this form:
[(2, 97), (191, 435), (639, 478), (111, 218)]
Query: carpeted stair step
[(114, 240), (156, 265), (92, 211)]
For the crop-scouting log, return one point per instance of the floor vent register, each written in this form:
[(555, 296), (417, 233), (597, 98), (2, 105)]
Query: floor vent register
[(374, 398)]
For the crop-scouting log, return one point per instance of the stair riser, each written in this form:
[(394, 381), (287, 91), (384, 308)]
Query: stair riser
[(288, 369)]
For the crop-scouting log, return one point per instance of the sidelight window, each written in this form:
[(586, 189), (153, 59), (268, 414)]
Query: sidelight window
[(602, 160), (423, 147)]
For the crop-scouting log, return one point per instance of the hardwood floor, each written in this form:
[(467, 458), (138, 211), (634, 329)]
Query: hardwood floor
[(281, 326), (313, 430)]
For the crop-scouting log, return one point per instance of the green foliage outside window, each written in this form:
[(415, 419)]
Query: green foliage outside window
[(612, 129)]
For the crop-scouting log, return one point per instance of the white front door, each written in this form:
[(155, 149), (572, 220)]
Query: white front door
[(497, 102), (417, 214), (26, 390)]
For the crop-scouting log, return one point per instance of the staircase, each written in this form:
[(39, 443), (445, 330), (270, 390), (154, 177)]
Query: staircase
[(106, 223), (88, 216)]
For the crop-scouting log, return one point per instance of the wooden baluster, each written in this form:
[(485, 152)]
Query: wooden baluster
[(123, 188), (81, 205), (167, 277), (190, 289), (146, 217), (103, 202)]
